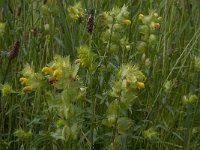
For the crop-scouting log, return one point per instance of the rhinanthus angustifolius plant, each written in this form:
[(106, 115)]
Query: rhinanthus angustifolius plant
[(148, 30), (99, 75), (67, 94), (64, 91), (115, 23)]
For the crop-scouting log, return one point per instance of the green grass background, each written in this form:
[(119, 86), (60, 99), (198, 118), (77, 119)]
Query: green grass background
[(179, 42)]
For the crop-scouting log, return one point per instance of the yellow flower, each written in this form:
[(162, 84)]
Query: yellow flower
[(27, 88), (47, 70), (57, 73), (23, 80), (140, 85), (140, 17), (126, 21), (157, 25)]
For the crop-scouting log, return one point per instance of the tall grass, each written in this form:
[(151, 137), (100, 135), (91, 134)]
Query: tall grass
[(164, 115)]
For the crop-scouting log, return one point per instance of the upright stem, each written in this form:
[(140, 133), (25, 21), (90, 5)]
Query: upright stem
[(8, 66)]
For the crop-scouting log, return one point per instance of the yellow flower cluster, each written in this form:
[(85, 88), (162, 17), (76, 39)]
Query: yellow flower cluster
[(85, 57), (57, 72), (24, 80), (132, 77), (53, 73), (47, 70), (76, 12), (152, 19)]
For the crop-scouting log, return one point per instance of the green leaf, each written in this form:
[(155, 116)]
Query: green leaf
[(124, 124)]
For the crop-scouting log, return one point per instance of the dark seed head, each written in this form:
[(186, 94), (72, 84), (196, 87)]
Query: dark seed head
[(13, 50), (90, 20)]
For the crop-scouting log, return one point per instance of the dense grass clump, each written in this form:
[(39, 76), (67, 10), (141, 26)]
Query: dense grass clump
[(100, 74)]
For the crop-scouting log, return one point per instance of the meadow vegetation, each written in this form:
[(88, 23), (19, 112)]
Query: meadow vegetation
[(99, 74)]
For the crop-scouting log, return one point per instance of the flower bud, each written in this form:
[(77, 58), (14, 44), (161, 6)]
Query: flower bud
[(46, 27), (147, 63), (142, 46), (27, 88), (147, 19), (152, 39), (140, 17), (45, 10), (144, 29)]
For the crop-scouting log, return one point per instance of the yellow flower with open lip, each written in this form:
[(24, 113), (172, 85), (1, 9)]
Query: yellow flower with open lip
[(140, 85), (126, 21), (27, 88), (47, 70), (23, 80), (57, 72)]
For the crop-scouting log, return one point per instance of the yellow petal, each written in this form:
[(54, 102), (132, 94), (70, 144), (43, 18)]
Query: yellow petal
[(140, 85), (27, 88)]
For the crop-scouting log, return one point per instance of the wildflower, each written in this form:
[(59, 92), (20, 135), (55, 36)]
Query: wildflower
[(189, 99), (76, 12), (142, 46), (150, 133), (76, 17), (6, 89), (45, 10), (60, 122), (155, 15), (27, 88), (105, 19), (28, 71), (52, 80), (126, 21), (140, 17), (47, 70), (167, 86), (152, 38), (23, 80), (85, 57), (159, 18), (57, 73), (157, 25), (140, 85)]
